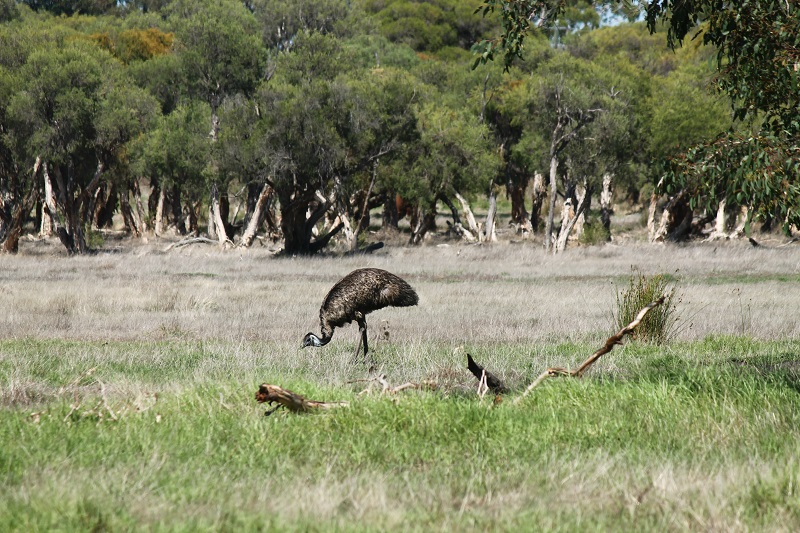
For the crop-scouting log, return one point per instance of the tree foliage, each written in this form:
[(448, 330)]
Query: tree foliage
[(758, 53), (337, 107)]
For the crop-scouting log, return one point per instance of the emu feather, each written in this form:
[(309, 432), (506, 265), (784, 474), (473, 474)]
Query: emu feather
[(353, 297)]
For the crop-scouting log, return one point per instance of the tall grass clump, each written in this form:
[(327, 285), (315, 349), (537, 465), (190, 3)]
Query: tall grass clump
[(659, 324)]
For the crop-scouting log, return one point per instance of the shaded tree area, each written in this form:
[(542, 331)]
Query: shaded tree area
[(293, 120)]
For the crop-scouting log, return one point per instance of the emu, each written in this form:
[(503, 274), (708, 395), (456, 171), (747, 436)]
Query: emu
[(353, 297)]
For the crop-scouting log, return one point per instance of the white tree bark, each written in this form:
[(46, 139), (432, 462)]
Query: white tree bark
[(249, 234), (606, 203), (738, 231), (580, 218), (719, 224), (548, 231), (567, 220), (651, 218), (489, 227), (468, 216), (158, 224), (212, 224), (222, 238), (49, 220)]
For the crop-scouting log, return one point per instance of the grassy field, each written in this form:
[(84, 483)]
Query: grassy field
[(127, 384)]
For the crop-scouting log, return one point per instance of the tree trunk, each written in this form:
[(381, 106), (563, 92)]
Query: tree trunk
[(567, 215), (105, 205), (453, 210), (363, 215), (651, 218), (580, 218), (49, 213), (190, 219), (158, 223), (738, 231), (471, 224), (257, 216), (216, 217), (424, 221), (390, 215), (538, 196), (212, 223), (489, 234), (548, 231), (675, 220), (606, 208), (22, 206), (72, 200), (127, 214), (568, 222), (350, 234), (517, 193), (141, 218), (178, 217), (298, 219), (719, 224)]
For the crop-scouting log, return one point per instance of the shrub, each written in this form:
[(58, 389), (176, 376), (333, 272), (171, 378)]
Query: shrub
[(94, 239), (594, 233), (659, 324)]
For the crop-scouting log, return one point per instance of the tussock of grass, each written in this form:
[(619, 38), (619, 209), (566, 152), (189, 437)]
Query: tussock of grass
[(659, 324)]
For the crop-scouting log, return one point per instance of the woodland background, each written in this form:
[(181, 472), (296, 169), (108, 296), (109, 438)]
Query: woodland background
[(300, 123)]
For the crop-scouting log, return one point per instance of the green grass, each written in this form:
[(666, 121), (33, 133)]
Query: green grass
[(695, 435)]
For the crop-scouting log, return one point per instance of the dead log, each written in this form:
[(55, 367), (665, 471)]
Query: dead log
[(607, 347), (493, 383), (189, 240), (290, 400)]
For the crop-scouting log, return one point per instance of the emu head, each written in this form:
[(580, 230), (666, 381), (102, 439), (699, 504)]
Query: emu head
[(311, 340)]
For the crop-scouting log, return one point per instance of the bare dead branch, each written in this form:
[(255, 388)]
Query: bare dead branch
[(607, 347), (386, 387), (189, 240)]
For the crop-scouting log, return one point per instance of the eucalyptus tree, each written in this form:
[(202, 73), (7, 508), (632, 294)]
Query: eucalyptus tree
[(379, 105), (758, 53), (565, 97), (757, 57), (221, 54), (282, 20), (304, 133), (454, 153), (176, 150), (76, 110), (17, 185), (430, 26)]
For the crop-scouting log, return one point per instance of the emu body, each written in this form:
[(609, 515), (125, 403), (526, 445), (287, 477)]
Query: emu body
[(356, 295)]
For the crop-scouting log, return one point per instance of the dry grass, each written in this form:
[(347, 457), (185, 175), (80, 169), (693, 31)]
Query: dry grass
[(468, 294)]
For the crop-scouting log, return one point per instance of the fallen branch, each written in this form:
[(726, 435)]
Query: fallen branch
[(292, 401), (189, 240), (492, 382), (386, 387), (607, 347)]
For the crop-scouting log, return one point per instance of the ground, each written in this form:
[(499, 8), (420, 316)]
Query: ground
[(127, 383)]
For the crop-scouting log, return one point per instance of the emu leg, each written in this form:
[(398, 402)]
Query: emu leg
[(362, 328)]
